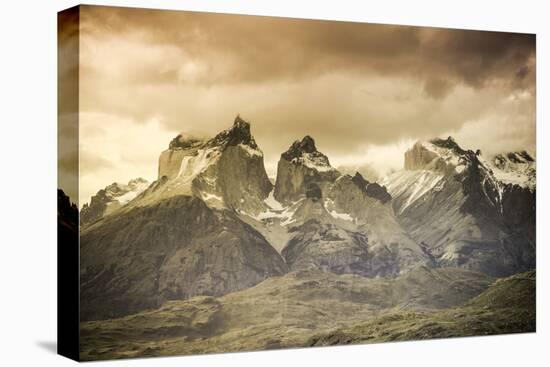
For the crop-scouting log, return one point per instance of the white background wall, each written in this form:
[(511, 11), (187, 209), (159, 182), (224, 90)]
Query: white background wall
[(28, 182)]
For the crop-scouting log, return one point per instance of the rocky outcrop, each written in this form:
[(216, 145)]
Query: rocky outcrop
[(299, 167), (111, 198), (371, 189), (175, 249)]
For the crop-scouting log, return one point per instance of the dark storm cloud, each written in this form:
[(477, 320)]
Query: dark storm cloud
[(247, 49)]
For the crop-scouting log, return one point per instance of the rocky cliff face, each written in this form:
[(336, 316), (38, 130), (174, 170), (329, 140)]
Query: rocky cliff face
[(301, 165), (175, 249), (464, 209), (326, 246), (370, 211), (111, 198)]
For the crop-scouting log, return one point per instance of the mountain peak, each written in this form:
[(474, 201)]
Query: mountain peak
[(359, 180), (302, 163), (237, 134), (308, 144), (240, 123), (449, 143), (305, 153), (299, 147)]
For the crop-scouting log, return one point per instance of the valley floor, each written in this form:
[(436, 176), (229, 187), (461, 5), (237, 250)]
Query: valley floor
[(312, 308)]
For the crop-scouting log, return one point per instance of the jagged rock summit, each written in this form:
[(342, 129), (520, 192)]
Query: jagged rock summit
[(226, 171), (299, 167), (239, 133)]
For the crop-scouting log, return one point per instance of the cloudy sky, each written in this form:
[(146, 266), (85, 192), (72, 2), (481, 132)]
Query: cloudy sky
[(365, 92)]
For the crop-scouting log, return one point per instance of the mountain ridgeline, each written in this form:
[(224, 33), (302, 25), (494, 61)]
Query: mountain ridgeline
[(213, 223)]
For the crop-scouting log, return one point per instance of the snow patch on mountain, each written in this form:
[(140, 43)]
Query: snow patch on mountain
[(272, 202), (276, 211), (343, 216), (413, 184), (191, 166), (212, 199), (330, 207), (313, 161), (251, 151), (134, 188)]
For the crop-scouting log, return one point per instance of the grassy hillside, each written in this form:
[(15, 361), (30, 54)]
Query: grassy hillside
[(508, 306), (284, 311)]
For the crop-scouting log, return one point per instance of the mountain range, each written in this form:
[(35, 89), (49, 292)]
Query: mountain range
[(213, 223)]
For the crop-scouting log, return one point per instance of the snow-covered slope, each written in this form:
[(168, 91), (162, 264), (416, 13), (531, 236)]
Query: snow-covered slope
[(466, 210), (412, 185)]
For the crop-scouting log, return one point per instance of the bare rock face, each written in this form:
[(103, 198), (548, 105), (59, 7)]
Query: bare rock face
[(418, 157), (301, 165), (371, 189), (175, 249), (465, 210), (111, 198)]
